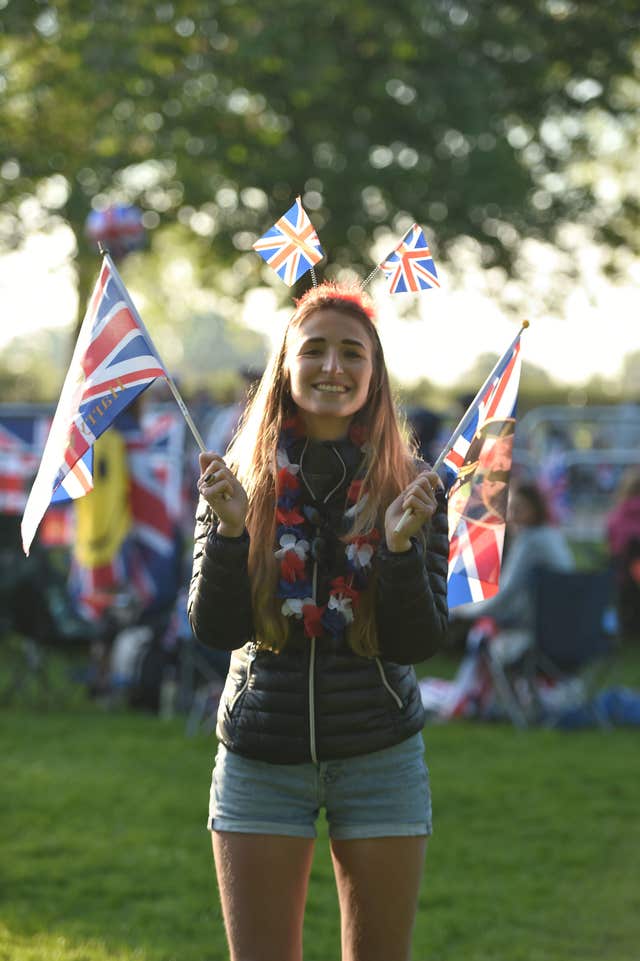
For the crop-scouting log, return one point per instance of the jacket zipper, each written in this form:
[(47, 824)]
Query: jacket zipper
[(312, 667), (250, 659), (391, 691), (314, 592)]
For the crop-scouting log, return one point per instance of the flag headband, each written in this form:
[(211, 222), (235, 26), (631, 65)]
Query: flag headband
[(328, 292), (291, 247)]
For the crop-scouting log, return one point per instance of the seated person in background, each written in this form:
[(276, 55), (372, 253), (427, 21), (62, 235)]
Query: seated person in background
[(623, 541), (426, 426), (532, 543)]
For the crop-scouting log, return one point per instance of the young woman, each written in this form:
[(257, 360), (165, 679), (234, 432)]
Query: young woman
[(300, 571)]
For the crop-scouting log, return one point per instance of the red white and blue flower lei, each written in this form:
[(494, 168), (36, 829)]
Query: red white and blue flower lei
[(297, 544)]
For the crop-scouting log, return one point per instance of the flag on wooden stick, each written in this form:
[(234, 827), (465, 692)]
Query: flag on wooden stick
[(477, 460), (113, 362)]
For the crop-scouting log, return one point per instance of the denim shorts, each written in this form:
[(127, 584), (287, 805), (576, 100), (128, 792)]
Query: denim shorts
[(383, 794)]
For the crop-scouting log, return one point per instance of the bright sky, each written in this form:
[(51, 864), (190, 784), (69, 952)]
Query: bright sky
[(37, 287), (459, 326), (599, 325)]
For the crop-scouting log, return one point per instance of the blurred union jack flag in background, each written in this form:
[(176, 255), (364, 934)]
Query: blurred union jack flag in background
[(291, 246), (114, 360), (22, 440), (410, 267), (155, 450), (145, 564), (477, 461)]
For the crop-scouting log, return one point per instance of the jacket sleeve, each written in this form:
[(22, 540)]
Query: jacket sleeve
[(411, 594), (219, 604)]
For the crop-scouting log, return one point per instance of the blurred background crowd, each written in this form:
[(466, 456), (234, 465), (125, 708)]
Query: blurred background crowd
[(107, 577)]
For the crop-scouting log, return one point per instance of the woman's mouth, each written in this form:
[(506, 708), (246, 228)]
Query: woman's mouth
[(331, 388)]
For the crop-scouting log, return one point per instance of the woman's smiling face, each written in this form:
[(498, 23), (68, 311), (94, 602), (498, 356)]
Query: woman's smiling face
[(330, 364)]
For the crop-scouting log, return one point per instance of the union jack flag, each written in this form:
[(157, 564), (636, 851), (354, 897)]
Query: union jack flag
[(146, 565), (23, 432), (410, 267), (291, 246), (155, 450), (93, 590), (114, 360), (478, 466)]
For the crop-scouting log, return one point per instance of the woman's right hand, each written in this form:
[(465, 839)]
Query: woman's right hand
[(224, 493)]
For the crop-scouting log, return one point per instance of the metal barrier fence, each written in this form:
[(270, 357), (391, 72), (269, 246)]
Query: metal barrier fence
[(578, 455)]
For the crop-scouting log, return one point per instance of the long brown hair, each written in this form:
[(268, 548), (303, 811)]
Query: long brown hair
[(389, 463)]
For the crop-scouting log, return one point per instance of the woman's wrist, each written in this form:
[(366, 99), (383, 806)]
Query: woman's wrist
[(398, 545), (230, 530)]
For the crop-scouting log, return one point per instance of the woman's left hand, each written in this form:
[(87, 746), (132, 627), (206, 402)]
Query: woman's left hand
[(420, 498)]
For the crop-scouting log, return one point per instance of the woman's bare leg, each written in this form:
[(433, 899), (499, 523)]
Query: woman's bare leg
[(262, 879), (378, 881)]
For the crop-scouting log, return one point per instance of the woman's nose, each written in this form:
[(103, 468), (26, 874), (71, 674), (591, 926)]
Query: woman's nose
[(332, 361)]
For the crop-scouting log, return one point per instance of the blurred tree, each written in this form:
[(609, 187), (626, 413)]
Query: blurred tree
[(630, 380), (483, 119), (196, 331), (33, 370), (421, 393)]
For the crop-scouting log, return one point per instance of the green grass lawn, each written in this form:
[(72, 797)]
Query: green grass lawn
[(104, 853)]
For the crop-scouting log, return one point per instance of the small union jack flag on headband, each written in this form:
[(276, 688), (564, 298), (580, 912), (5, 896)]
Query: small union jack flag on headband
[(410, 267), (291, 246)]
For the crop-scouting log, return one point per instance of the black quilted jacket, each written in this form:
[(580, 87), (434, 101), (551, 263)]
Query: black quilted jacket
[(318, 700)]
